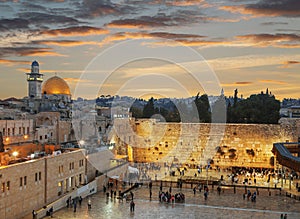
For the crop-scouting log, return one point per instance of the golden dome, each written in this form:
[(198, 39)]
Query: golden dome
[(56, 85)]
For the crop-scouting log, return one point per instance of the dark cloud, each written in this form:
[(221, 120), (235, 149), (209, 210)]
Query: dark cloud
[(13, 24), (31, 6), (38, 18), (180, 17), (27, 51), (92, 8), (271, 37), (275, 23), (285, 8), (243, 82), (75, 31), (276, 40)]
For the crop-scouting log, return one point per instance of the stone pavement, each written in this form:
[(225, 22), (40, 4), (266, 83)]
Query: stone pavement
[(226, 205)]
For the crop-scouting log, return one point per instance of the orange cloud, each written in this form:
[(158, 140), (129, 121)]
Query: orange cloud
[(67, 43), (243, 82), (275, 40), (44, 53), (272, 81), (184, 2), (76, 31), (173, 39), (287, 64), (13, 62), (238, 83)]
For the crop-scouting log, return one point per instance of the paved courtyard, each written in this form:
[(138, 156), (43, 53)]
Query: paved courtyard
[(226, 205)]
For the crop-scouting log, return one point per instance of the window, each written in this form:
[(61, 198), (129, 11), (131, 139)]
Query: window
[(46, 136), (3, 132), (72, 165), (3, 187), (21, 181), (41, 137), (36, 177), (20, 130), (60, 169), (27, 130), (8, 131), (13, 131), (24, 130), (8, 185), (40, 176), (81, 163), (25, 180)]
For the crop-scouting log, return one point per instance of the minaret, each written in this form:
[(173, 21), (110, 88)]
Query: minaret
[(35, 80)]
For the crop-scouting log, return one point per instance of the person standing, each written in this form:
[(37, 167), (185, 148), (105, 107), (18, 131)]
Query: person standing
[(80, 200), (75, 206), (89, 204), (205, 195), (219, 190), (132, 205), (131, 193), (51, 212), (34, 214)]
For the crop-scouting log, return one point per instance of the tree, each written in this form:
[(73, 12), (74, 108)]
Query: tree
[(203, 108), (235, 98), (149, 110), (260, 108)]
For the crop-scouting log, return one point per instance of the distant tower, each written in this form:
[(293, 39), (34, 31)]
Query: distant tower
[(222, 92), (35, 80)]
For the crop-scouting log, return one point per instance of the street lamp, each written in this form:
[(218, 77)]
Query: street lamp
[(15, 154)]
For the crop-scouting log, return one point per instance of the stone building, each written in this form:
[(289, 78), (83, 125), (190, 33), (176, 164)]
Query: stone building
[(53, 95), (36, 183), (17, 131)]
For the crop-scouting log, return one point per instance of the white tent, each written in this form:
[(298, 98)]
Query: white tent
[(133, 170)]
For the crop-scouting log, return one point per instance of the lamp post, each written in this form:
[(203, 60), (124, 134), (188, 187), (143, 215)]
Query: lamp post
[(15, 154)]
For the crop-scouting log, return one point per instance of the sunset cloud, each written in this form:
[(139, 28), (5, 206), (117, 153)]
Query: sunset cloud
[(276, 40), (273, 82), (286, 8), (145, 35), (65, 43), (92, 9), (288, 64), (175, 18), (27, 51), (40, 18), (238, 83), (76, 31), (8, 62)]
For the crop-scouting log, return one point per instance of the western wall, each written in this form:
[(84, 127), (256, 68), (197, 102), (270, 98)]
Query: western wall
[(225, 145)]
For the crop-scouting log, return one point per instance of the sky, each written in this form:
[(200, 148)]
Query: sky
[(146, 48)]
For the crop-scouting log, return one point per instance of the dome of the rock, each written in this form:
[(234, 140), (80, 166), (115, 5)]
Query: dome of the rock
[(56, 85)]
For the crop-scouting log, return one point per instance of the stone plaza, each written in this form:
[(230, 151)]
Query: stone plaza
[(225, 205)]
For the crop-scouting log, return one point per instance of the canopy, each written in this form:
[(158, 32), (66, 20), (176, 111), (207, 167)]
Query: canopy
[(133, 170)]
